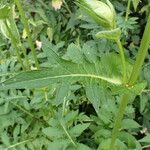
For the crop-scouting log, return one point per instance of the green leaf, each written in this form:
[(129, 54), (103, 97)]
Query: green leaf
[(4, 12), (73, 53), (61, 93), (79, 146), (77, 130), (90, 51), (143, 102), (95, 95), (58, 144), (12, 25), (70, 117), (105, 71), (67, 71), (130, 141), (129, 124), (106, 143), (135, 3), (134, 90), (146, 139), (3, 29), (110, 34), (53, 132)]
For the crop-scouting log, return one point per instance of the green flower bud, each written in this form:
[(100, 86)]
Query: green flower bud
[(103, 14)]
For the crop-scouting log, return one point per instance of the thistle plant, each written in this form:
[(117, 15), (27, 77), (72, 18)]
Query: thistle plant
[(99, 75), (104, 15)]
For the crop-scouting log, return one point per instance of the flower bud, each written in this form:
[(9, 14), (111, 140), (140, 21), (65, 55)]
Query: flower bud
[(102, 13)]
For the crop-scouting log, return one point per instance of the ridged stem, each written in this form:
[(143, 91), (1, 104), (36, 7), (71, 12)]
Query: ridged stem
[(118, 119), (145, 42), (123, 61)]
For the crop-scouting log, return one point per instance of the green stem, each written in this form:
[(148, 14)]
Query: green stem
[(145, 42), (22, 109), (14, 44), (128, 10), (68, 135), (17, 144), (118, 119), (133, 78), (121, 51), (26, 26)]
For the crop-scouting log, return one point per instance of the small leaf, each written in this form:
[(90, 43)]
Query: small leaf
[(130, 140), (90, 51), (94, 94), (3, 29), (73, 53), (129, 124), (134, 90), (11, 24), (135, 3), (79, 146), (58, 145), (143, 102), (110, 34), (77, 130), (61, 93), (53, 132)]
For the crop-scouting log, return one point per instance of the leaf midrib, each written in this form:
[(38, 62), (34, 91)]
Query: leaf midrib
[(110, 80)]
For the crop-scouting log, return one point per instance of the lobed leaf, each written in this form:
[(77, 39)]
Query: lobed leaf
[(104, 71)]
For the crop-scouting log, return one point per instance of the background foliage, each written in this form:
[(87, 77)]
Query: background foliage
[(77, 116)]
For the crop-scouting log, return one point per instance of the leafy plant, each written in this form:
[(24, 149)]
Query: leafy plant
[(45, 103)]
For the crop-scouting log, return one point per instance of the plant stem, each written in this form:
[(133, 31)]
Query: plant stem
[(68, 135), (118, 119), (133, 78), (14, 44), (146, 146), (128, 10), (121, 51), (145, 42), (26, 26), (17, 144), (22, 109)]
